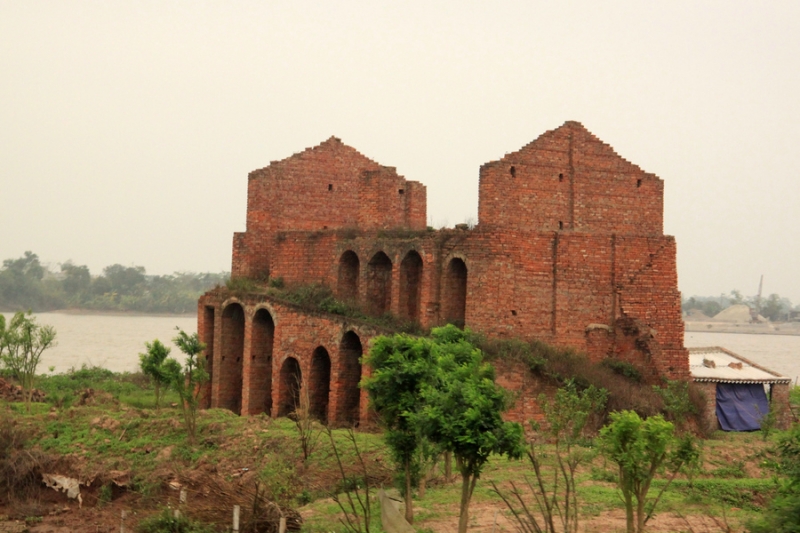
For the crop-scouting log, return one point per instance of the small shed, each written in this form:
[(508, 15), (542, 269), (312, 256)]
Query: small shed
[(738, 391)]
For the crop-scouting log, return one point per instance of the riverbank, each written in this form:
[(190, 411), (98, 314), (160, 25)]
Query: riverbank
[(99, 312), (783, 328)]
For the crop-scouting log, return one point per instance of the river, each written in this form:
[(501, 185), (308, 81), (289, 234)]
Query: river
[(108, 340), (115, 341)]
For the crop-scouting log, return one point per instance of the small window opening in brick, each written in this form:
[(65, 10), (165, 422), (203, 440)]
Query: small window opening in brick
[(324, 227), (514, 312), (638, 183), (560, 224), (401, 191), (330, 186), (561, 177), (513, 172)]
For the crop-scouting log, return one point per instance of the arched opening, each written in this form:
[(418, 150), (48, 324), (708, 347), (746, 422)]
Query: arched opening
[(204, 400), (410, 284), (291, 381), (347, 285), (231, 360), (379, 284), (319, 384), (262, 340), (454, 301), (349, 395)]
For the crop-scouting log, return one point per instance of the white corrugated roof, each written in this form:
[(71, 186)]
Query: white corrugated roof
[(720, 365)]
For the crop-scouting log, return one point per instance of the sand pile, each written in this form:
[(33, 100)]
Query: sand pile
[(697, 315), (736, 313)]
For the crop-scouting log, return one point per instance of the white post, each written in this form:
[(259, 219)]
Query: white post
[(282, 525), (122, 522), (183, 496), (236, 518)]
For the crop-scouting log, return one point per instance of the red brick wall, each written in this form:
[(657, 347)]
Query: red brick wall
[(296, 335), (569, 179), (569, 249)]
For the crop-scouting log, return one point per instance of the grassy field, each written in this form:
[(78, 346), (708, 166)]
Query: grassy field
[(103, 429)]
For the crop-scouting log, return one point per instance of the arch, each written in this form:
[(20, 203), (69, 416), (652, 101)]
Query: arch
[(349, 267), (379, 284), (410, 285), (349, 395), (209, 312), (319, 384), (262, 338), (454, 301), (290, 384), (231, 358)]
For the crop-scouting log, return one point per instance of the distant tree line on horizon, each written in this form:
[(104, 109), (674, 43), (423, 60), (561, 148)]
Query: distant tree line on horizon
[(773, 307), (27, 284)]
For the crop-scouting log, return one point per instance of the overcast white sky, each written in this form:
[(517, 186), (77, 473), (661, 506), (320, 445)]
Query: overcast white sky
[(127, 129)]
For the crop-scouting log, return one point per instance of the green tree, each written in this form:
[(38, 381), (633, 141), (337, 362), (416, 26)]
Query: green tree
[(21, 346), (188, 381), (401, 365), (736, 297), (125, 280), (640, 448), (20, 282), (566, 414), (461, 410), (154, 365), (782, 515), (76, 281), (774, 308)]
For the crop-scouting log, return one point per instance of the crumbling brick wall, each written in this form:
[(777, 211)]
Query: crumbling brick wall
[(569, 249)]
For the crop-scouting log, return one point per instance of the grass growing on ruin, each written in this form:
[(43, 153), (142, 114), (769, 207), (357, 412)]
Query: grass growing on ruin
[(321, 299)]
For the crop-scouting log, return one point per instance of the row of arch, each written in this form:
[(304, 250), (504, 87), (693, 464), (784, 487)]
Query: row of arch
[(379, 285), (251, 392)]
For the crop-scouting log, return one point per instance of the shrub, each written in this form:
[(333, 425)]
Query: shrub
[(783, 513), (623, 368), (19, 468), (167, 522)]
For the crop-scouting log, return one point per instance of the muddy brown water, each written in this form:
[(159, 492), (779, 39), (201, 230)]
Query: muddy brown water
[(110, 341)]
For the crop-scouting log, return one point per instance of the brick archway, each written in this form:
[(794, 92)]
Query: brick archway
[(347, 284), (454, 300), (319, 384), (260, 378), (291, 380), (410, 285), (231, 358), (379, 284), (348, 393)]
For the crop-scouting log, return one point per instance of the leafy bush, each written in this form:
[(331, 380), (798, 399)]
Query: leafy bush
[(677, 403), (19, 468), (166, 522), (623, 368), (783, 513), (562, 364)]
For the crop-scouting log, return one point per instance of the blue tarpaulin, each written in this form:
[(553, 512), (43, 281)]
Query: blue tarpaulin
[(740, 406)]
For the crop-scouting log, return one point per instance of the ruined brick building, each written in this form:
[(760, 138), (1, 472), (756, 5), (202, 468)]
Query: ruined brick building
[(569, 248)]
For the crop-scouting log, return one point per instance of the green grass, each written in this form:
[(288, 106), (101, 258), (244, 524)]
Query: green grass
[(119, 430)]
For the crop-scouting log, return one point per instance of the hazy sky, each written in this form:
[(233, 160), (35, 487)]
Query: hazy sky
[(127, 129)]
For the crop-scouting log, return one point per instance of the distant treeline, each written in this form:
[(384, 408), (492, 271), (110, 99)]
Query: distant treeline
[(27, 284), (773, 307)]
